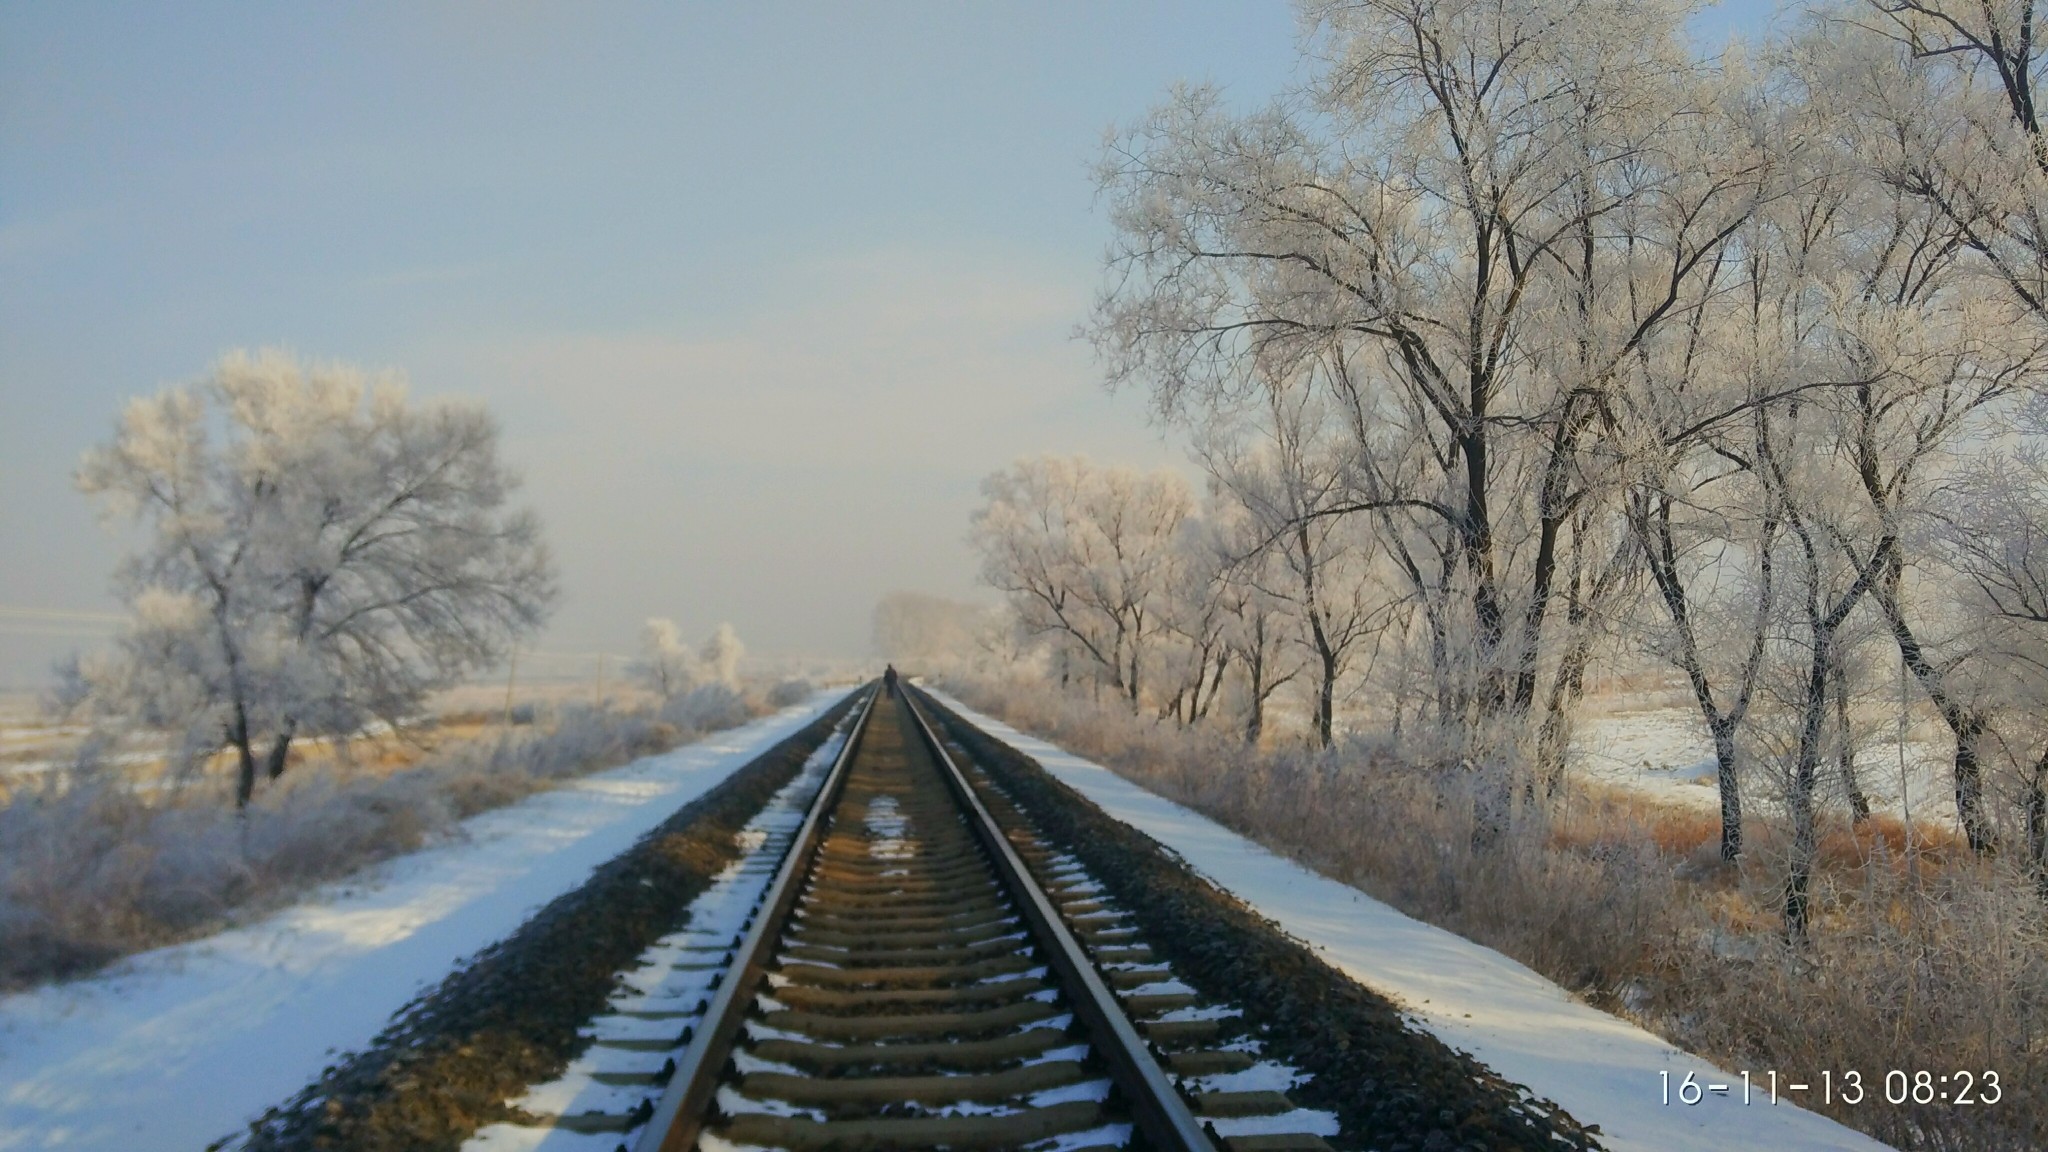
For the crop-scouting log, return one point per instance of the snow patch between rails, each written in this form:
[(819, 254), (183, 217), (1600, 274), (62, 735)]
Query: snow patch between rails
[(183, 1045), (1602, 1069)]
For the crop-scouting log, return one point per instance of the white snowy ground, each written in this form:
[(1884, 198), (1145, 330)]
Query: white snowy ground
[(1665, 752), (1603, 1070), (178, 1047)]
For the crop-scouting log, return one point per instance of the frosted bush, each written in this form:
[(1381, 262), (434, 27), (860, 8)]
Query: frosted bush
[(794, 690), (707, 708), (720, 660), (666, 665), (194, 869)]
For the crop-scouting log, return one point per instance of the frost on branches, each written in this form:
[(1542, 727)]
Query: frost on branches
[(665, 664), (670, 670), (320, 554), (1530, 310)]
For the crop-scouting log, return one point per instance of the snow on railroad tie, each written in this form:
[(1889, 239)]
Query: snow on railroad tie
[(1255, 1094), (1601, 1069), (181, 1046), (609, 1091)]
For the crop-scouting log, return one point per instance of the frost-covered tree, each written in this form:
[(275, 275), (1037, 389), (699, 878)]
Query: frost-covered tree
[(320, 552), (721, 657), (666, 664), (1086, 555), (1257, 630), (1949, 91), (1936, 102), (1199, 602), (1996, 537), (1290, 480)]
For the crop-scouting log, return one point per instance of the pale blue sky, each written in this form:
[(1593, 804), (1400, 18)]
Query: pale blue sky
[(760, 291)]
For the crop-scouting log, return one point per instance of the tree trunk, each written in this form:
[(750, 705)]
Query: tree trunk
[(1172, 707), (1493, 798), (1566, 688), (1969, 772), (245, 775), (1476, 544), (1964, 724), (1845, 754), (1255, 669), (1450, 700), (1551, 518), (273, 764), (1326, 695), (1805, 774), (1813, 708), (1215, 686), (1653, 527), (2037, 824), (1723, 729), (1553, 745)]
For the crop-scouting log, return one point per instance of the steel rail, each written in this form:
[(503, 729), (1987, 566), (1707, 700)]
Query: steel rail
[(1161, 1115), (680, 1115)]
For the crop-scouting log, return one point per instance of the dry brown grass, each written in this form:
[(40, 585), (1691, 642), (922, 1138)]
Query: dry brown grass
[(99, 863), (1935, 961)]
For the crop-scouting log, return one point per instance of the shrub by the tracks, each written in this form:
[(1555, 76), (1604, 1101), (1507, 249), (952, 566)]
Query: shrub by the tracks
[(1942, 967), (1394, 1088), (707, 707), (510, 1016), (794, 690), (94, 867)]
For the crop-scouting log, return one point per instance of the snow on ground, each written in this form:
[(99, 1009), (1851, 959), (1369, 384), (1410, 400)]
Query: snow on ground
[(1665, 752), (1602, 1069), (178, 1047)]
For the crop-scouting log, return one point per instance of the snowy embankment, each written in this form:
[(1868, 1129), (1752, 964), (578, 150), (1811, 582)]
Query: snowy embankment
[(181, 1046), (1602, 1069)]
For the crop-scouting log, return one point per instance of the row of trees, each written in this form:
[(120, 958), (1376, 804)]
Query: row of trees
[(1519, 326)]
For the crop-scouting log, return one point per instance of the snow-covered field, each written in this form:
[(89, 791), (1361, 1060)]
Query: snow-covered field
[(178, 1047), (29, 743), (1603, 1070), (1664, 752)]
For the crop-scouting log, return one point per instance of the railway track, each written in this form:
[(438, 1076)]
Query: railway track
[(872, 938), (919, 971)]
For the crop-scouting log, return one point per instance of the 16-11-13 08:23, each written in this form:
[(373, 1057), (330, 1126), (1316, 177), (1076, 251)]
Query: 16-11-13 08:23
[(1899, 1087)]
